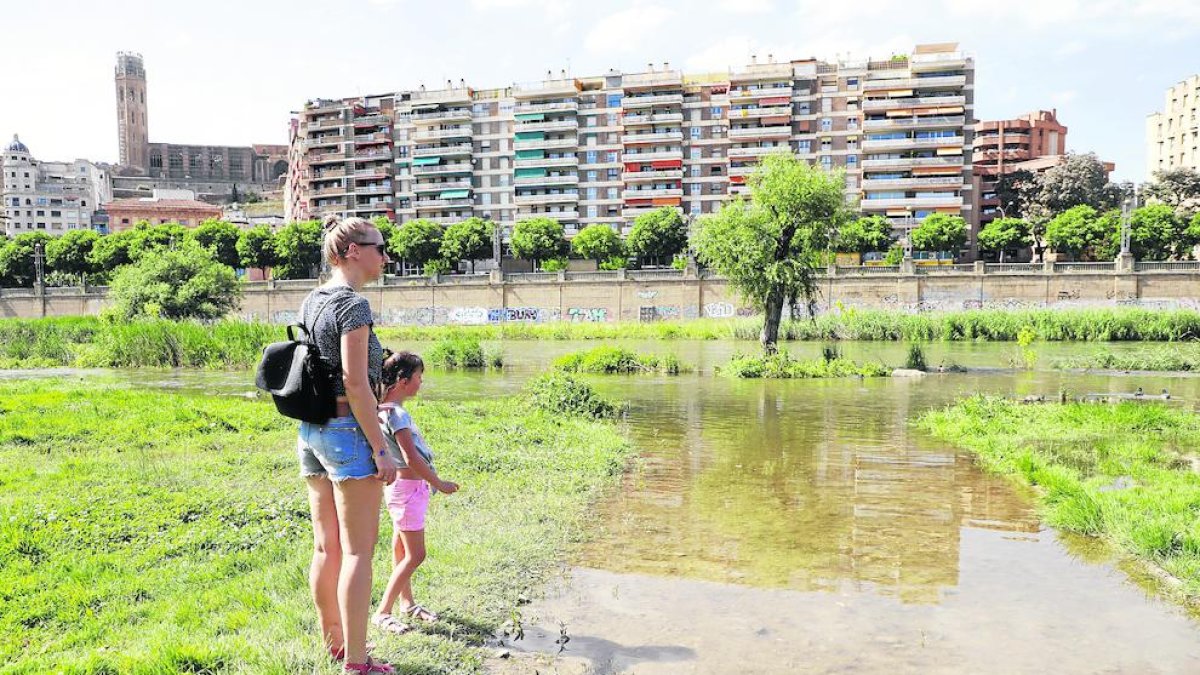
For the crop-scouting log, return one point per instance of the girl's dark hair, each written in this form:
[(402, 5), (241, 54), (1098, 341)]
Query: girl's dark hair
[(399, 366)]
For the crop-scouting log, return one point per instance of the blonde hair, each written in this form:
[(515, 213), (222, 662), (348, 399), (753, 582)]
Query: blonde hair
[(339, 234)]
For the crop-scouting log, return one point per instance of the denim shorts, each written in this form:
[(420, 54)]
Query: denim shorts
[(337, 449)]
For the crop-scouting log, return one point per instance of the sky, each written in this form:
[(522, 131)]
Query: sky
[(230, 73)]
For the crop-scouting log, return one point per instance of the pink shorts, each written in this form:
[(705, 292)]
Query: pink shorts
[(407, 501)]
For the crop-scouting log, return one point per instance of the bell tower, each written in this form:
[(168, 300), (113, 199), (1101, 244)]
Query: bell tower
[(132, 126)]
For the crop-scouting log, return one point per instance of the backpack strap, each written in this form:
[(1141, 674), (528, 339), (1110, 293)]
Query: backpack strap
[(304, 326)]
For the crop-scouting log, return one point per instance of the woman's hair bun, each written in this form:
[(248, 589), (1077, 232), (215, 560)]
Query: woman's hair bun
[(331, 221)]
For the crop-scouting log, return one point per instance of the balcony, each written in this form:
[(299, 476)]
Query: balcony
[(1008, 154), (932, 121), (325, 192), (368, 139), (459, 95), (372, 155), (546, 89), (562, 216), (741, 94), (937, 61), (560, 198), (664, 78), (918, 102), (372, 120), (994, 139), (328, 174), (755, 151), (653, 137), (636, 102), (909, 183), (658, 118), (442, 169), (315, 159), (906, 143), (652, 192), (379, 188), (916, 83), (654, 156), (426, 135), (374, 172), (333, 140), (546, 180), (752, 113), (547, 143), (323, 124), (737, 133), (550, 125), (635, 211), (439, 186), (443, 150), (526, 162), (668, 174), (559, 106), (911, 203), (908, 162), (459, 115), (435, 204), (448, 220)]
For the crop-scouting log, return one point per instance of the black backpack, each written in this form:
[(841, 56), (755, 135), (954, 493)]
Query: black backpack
[(292, 371)]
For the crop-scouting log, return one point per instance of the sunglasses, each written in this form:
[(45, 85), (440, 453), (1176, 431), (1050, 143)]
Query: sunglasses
[(378, 246)]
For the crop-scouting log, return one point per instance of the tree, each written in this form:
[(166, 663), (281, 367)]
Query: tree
[(939, 232), (1177, 188), (386, 228), (1077, 231), (1015, 192), (112, 251), (1079, 180), (863, 235), (469, 239), (1003, 234), (538, 238), (298, 250), (180, 283), (70, 253), (417, 242), (770, 248), (659, 235), (256, 248), (221, 238), (17, 268), (147, 238), (598, 242), (1157, 233)]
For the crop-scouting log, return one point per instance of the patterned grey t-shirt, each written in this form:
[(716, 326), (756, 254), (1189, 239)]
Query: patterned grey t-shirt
[(346, 311)]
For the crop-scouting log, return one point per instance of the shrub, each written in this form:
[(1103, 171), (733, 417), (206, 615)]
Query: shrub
[(916, 358), (462, 352), (556, 391), (185, 283), (618, 360), (782, 365)]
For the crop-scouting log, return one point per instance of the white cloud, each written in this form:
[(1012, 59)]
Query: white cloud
[(735, 52), (627, 30), (1071, 48), (746, 6), (1064, 97)]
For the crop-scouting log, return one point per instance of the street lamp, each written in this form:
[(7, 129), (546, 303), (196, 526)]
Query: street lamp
[(1127, 208), (39, 257)]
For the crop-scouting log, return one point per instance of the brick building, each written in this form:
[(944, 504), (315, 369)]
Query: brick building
[(167, 206)]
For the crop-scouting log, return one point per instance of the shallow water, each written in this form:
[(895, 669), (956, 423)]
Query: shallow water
[(806, 526)]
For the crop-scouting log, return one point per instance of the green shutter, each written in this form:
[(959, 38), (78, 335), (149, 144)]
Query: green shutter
[(454, 194), (530, 173), (530, 117), (531, 154), (425, 161), (530, 135)]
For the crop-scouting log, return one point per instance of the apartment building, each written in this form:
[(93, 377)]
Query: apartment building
[(50, 197), (1173, 135), (1003, 147), (606, 148)]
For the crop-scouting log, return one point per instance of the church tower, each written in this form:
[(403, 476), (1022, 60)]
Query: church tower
[(132, 127)]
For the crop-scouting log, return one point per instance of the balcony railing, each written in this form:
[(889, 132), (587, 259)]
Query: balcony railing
[(665, 78), (738, 93), (376, 137), (654, 137), (320, 125), (913, 122), (439, 186), (522, 162), (557, 106), (370, 120), (448, 220), (546, 180), (901, 143), (903, 162), (441, 169), (635, 211), (633, 102), (558, 198), (760, 132), (449, 149), (460, 131), (338, 190), (911, 202), (442, 115), (918, 102), (428, 204), (373, 189), (931, 181), (562, 216), (546, 89), (552, 125), (656, 155), (755, 151), (750, 113), (668, 174), (325, 158), (536, 143), (916, 82), (659, 118), (462, 94), (653, 192), (372, 155)]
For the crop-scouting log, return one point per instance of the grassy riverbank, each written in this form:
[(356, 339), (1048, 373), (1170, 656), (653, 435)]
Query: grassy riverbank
[(161, 532), (1185, 358), (1127, 473)]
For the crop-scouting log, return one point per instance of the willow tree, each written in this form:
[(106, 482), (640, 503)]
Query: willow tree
[(771, 247)]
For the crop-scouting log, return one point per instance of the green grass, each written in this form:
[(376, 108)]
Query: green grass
[(462, 351), (164, 532), (1126, 473), (1184, 357), (608, 360), (782, 365)]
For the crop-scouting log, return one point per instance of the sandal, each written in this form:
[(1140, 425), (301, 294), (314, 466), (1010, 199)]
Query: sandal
[(339, 654), (390, 624), (371, 666), (422, 613)]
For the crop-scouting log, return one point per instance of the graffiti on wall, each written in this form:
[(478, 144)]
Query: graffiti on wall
[(647, 294), (470, 316), (526, 314), (658, 312), (719, 310), (587, 314)]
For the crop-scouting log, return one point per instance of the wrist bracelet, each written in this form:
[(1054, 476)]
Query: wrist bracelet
[(382, 453)]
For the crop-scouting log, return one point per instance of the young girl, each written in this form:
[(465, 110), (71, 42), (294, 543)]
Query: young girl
[(408, 496)]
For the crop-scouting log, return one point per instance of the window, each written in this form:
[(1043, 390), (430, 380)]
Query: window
[(695, 170), (485, 198), (612, 193), (694, 153), (852, 83), (694, 132), (55, 214), (826, 105), (614, 174), (591, 120), (804, 146), (851, 160), (613, 119), (611, 157), (591, 176), (591, 193), (716, 111), (592, 210), (826, 161), (826, 124), (590, 157)]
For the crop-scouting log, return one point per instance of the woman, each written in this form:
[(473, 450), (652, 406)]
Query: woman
[(345, 462)]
